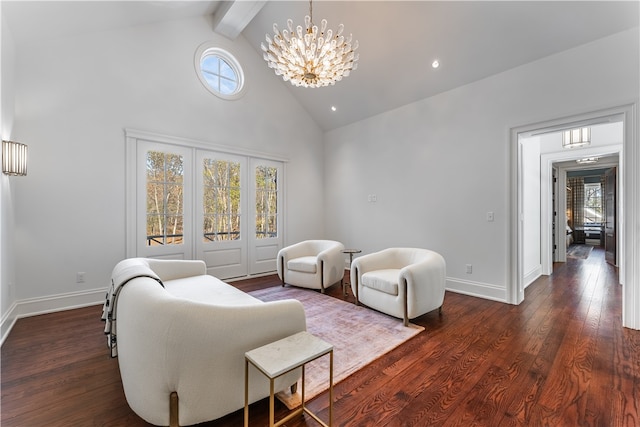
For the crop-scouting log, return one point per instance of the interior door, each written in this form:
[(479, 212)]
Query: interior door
[(610, 240)]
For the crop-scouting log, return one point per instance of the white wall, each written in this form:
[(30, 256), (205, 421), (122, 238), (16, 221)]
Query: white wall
[(74, 98), (531, 256), (7, 253), (439, 165)]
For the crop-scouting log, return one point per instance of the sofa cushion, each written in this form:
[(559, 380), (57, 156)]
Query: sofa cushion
[(382, 280), (210, 290), (305, 264)]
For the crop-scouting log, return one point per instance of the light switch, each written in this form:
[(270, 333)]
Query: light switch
[(490, 216)]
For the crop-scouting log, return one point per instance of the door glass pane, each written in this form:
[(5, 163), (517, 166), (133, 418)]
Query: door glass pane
[(221, 200), (164, 198), (266, 202), (593, 204)]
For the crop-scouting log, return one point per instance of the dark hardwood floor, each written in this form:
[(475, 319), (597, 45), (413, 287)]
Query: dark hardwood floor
[(561, 358)]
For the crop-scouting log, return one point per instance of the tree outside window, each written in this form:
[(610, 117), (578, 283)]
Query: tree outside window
[(266, 202), (165, 173), (221, 200)]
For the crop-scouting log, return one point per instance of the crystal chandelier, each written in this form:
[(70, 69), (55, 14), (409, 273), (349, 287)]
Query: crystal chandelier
[(310, 57)]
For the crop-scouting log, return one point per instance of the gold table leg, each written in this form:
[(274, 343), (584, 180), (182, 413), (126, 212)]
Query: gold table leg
[(246, 392)]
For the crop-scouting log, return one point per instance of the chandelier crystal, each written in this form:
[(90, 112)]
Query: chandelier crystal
[(310, 56)]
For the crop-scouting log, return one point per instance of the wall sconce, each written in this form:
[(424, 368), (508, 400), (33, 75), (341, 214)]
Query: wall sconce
[(576, 137), (14, 158)]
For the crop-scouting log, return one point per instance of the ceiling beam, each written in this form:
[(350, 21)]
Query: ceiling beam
[(233, 16)]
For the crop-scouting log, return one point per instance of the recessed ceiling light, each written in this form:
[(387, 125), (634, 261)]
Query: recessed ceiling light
[(435, 64), (333, 108)]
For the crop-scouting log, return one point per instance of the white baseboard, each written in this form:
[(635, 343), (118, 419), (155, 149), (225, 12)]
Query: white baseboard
[(49, 304), (54, 303), (477, 289), (531, 276)]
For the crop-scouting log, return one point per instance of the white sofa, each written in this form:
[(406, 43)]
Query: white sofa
[(189, 337), (313, 264), (402, 282)]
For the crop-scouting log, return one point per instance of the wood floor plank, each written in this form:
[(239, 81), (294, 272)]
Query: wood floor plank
[(560, 358)]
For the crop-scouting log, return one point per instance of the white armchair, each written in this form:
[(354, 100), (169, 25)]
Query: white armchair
[(402, 282), (314, 264)]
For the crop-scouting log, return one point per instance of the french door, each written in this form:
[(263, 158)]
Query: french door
[(163, 201), (195, 203), (221, 194), (265, 237)]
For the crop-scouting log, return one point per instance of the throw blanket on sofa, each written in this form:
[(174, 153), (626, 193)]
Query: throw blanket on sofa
[(119, 279)]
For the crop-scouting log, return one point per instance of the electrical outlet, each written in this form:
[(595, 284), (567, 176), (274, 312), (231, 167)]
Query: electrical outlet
[(469, 268), (80, 276)]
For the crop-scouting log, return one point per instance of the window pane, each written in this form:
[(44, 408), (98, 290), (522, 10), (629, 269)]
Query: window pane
[(234, 209), (208, 229), (272, 225), (209, 199), (174, 230), (227, 87), (155, 198), (213, 81), (210, 64), (174, 199), (219, 74), (155, 166), (234, 175), (221, 200), (266, 202), (226, 71), (261, 227), (235, 227), (592, 204), (164, 198), (155, 227), (174, 171)]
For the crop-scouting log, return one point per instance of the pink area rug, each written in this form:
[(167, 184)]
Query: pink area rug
[(359, 336)]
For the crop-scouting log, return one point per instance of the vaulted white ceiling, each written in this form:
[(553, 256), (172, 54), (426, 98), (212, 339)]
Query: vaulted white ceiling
[(398, 39)]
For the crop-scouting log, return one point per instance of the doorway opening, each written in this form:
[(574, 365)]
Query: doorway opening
[(525, 216), (589, 213)]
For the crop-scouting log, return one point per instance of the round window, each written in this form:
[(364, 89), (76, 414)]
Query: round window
[(219, 72)]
